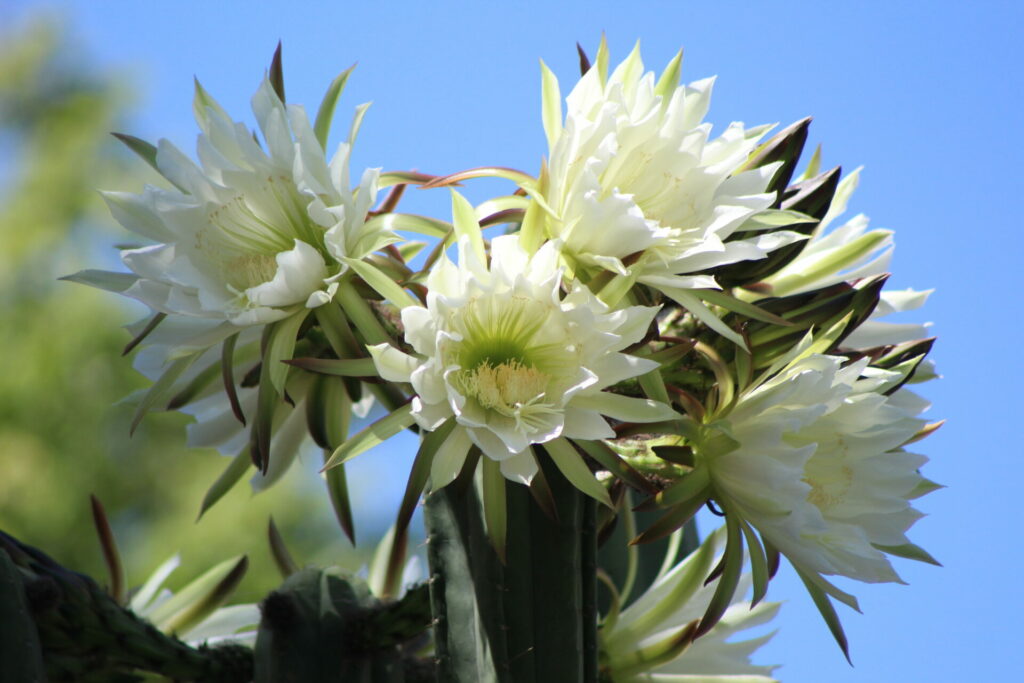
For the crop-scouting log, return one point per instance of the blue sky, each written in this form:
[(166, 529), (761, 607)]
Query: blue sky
[(924, 95)]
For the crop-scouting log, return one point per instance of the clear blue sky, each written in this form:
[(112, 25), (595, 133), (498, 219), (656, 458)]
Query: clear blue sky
[(925, 95)]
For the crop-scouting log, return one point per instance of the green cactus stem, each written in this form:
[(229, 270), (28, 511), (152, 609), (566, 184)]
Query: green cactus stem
[(533, 618), (86, 636)]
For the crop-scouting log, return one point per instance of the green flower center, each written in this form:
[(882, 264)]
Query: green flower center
[(513, 356)]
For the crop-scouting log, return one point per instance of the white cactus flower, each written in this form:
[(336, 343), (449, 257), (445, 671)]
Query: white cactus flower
[(516, 362), (637, 185), (651, 625), (253, 232), (813, 459)]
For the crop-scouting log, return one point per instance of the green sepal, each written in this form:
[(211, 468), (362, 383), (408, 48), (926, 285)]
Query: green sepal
[(283, 559), (689, 300), (335, 326), (905, 359), (828, 613), (732, 568), (694, 485), (731, 303), (267, 400), (668, 523), (325, 114), (786, 146), (766, 221), (328, 411), (813, 166), (408, 250), (372, 435), (227, 369), (572, 467), (357, 122), (654, 386), (337, 490), (395, 269), (361, 314), (419, 476), (345, 367), (111, 555), (551, 105), (758, 563), (610, 460), (584, 59), (812, 311), (193, 389), (671, 354), (276, 74), (107, 280), (328, 416), (923, 488), (422, 225), (648, 657), (810, 197), (226, 481), (669, 79), (495, 509), (203, 100), (280, 346), (145, 150), (847, 254), (601, 60), (161, 388), (531, 230), (381, 283), (466, 225), (910, 552)]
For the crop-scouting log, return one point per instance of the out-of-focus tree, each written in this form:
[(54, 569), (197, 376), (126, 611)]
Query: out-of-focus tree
[(61, 435)]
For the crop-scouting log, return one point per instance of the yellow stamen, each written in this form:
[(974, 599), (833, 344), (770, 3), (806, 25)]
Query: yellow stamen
[(506, 386)]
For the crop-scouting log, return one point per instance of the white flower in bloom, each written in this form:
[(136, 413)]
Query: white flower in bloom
[(254, 231), (817, 465), (514, 360), (634, 173), (677, 598)]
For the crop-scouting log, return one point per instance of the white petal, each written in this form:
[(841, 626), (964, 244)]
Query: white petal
[(392, 364), (520, 468), (625, 408), (300, 271), (449, 458), (586, 424)]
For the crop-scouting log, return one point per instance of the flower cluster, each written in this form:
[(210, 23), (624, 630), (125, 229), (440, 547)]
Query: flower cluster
[(669, 312)]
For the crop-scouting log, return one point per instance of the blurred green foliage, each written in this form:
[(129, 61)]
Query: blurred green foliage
[(61, 435)]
